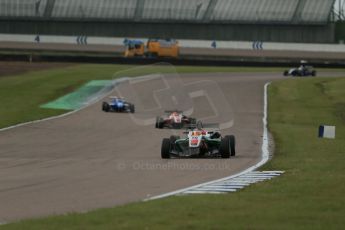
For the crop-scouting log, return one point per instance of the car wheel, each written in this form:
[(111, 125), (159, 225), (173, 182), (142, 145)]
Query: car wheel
[(224, 148), (132, 108), (232, 145), (157, 123), (105, 107), (313, 73), (165, 150), (161, 123), (286, 73)]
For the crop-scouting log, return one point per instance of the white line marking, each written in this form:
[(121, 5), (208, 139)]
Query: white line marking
[(227, 186), (223, 187), (201, 192), (231, 183), (215, 190), (264, 158)]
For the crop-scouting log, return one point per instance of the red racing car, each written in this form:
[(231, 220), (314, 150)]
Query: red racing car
[(174, 119)]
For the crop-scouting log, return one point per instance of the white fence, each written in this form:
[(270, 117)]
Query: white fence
[(241, 45)]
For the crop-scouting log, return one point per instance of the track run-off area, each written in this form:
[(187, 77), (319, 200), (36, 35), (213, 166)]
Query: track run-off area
[(91, 159)]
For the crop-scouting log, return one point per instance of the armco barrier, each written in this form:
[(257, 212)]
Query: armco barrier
[(242, 45), (192, 52)]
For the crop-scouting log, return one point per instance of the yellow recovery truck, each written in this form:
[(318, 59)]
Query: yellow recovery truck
[(154, 48)]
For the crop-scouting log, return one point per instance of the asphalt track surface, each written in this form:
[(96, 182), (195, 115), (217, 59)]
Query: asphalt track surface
[(91, 159)]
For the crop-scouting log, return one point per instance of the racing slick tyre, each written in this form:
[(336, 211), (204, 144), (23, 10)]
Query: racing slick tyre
[(165, 150), (105, 107), (286, 73), (160, 123), (232, 145), (224, 148), (132, 108), (313, 73), (156, 124)]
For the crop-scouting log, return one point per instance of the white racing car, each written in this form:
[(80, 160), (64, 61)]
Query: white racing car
[(302, 71), (174, 119)]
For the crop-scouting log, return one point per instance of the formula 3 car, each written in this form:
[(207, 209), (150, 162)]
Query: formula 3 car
[(118, 104), (302, 71), (174, 119), (199, 143)]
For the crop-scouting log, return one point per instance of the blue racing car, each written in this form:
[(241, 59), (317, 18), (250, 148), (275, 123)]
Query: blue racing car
[(118, 104)]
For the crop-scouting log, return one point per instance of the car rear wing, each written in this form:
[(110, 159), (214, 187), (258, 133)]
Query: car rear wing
[(172, 111), (116, 97)]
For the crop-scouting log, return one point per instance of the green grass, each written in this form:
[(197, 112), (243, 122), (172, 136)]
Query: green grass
[(21, 96), (310, 195)]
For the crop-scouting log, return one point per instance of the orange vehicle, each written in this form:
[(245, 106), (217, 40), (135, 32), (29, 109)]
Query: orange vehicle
[(154, 48), (162, 48)]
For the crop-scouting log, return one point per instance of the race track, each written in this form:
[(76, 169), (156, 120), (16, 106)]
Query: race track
[(91, 159)]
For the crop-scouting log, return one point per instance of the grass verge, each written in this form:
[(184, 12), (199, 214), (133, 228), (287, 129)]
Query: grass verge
[(310, 195)]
